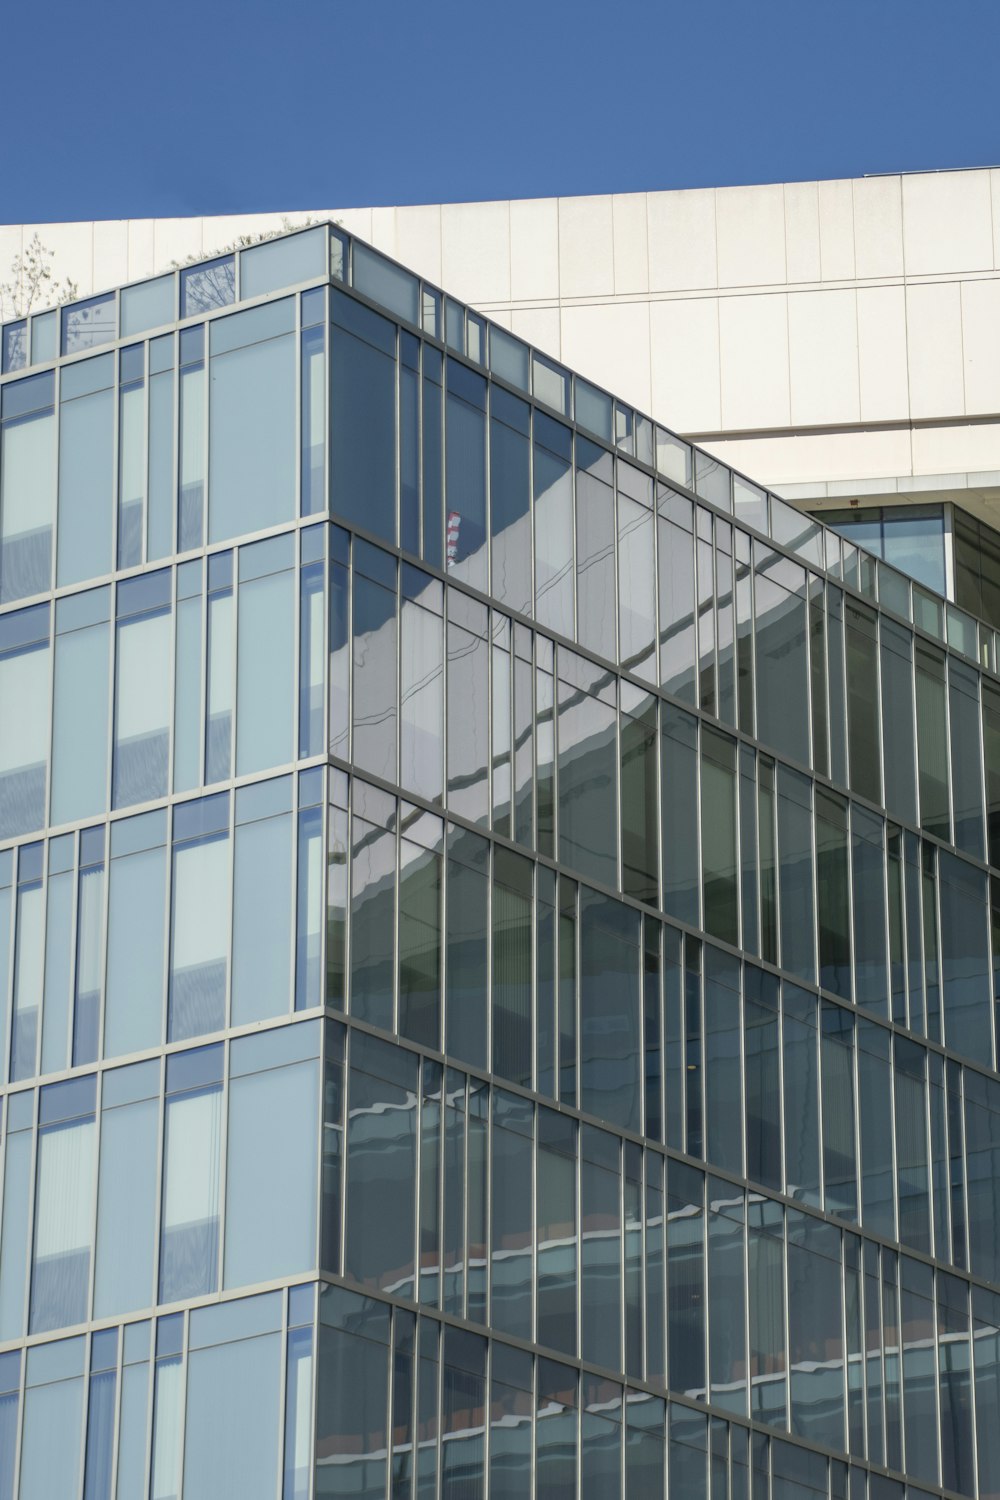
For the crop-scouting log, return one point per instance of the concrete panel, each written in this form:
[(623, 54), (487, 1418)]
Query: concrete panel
[(947, 223), (534, 249), (934, 349), (878, 227), (885, 391), (356, 221), (586, 247), (140, 247), (110, 253), (804, 458), (753, 347), (995, 206), (750, 226), (384, 230), (475, 251), (802, 254), (177, 239), (836, 230), (541, 326), (10, 249), (981, 345), (628, 213), (684, 340), (73, 252), (948, 450), (609, 342), (823, 357), (682, 253), (417, 240), (222, 232)]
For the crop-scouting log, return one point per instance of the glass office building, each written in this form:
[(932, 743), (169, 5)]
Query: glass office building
[(498, 925)]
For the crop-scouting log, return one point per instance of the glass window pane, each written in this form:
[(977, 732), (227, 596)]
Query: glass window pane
[(231, 1432), (510, 510), (271, 1174), (189, 1227), (262, 920), (465, 460), (142, 708), (27, 503), (64, 1211), (81, 716), (252, 437), (199, 937), (86, 485), (553, 487), (24, 734), (363, 418), (265, 675), (126, 1224), (134, 1005)]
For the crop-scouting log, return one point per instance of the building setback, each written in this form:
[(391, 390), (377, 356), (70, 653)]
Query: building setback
[(497, 927)]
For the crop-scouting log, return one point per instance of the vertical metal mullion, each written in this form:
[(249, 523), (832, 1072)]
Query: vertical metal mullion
[(161, 1128), (222, 1170), (116, 450), (29, 1258), (182, 1401), (92, 1272), (282, 1434)]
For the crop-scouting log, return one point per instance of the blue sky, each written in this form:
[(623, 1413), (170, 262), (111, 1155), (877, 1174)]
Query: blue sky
[(212, 106)]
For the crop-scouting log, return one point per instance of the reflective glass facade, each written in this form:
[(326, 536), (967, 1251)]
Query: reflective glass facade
[(498, 932)]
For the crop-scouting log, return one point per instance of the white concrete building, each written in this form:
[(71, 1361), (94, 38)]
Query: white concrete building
[(838, 341)]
